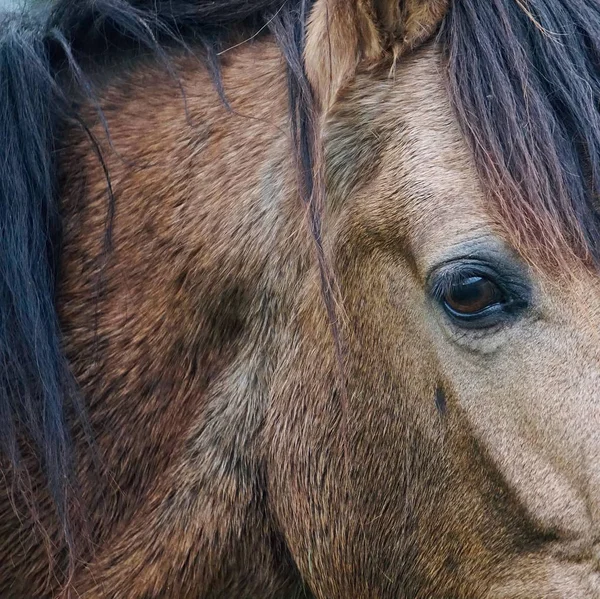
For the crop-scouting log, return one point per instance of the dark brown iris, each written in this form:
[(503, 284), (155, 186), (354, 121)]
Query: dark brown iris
[(472, 295)]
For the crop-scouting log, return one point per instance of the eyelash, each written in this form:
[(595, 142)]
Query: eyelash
[(444, 283)]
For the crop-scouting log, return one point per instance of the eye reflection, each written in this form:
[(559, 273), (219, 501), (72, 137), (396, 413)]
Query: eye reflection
[(472, 295)]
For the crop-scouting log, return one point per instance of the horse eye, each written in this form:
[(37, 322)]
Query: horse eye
[(472, 296)]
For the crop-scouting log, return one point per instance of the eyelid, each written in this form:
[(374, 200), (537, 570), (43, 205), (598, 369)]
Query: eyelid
[(490, 311)]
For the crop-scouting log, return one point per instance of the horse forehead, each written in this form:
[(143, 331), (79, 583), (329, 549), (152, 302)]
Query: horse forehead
[(427, 180)]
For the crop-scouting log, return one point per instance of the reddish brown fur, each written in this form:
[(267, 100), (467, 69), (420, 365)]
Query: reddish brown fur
[(205, 247), (176, 312)]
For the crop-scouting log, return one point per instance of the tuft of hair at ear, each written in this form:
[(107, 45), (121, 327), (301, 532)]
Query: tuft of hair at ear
[(345, 34)]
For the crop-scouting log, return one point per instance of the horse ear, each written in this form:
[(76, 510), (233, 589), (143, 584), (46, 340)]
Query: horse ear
[(341, 34)]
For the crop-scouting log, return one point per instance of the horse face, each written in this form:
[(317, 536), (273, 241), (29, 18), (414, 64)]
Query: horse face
[(444, 445), (491, 360), (465, 464)]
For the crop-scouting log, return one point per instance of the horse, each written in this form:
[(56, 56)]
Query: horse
[(300, 298)]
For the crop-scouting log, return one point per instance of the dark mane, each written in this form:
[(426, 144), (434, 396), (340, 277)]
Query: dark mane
[(525, 81), (524, 78)]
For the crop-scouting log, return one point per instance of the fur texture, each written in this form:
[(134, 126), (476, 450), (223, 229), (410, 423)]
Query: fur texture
[(200, 206)]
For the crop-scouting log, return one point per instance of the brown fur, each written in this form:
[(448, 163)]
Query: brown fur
[(201, 344), (343, 35)]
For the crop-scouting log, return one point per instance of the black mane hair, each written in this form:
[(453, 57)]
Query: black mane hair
[(524, 78)]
